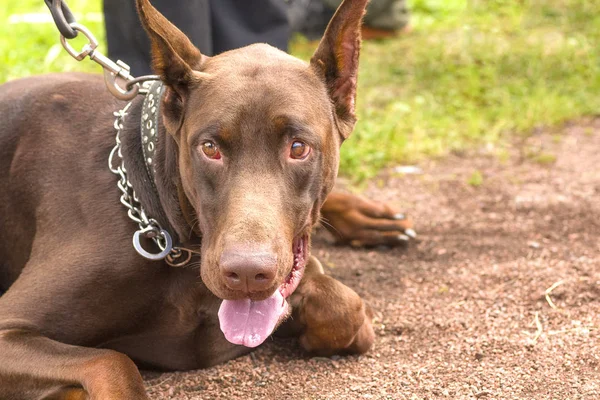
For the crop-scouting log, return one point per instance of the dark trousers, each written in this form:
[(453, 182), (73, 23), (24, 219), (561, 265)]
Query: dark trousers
[(214, 26)]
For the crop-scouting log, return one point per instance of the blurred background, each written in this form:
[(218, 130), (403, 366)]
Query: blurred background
[(468, 74)]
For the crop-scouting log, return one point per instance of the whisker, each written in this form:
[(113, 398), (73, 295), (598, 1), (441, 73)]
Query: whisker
[(327, 223), (195, 222)]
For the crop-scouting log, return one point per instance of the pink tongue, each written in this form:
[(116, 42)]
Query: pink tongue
[(249, 322)]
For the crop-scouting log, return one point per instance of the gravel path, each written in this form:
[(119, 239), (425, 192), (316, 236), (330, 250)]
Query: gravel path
[(498, 299)]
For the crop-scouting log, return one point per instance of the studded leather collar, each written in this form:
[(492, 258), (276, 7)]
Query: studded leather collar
[(149, 126), (149, 137)]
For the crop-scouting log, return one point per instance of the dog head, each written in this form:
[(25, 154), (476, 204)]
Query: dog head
[(258, 135)]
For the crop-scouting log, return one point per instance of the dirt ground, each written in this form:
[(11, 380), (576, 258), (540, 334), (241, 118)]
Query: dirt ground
[(499, 298)]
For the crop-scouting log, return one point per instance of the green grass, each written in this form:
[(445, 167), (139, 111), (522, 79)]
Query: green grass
[(471, 72), (28, 49), (476, 179)]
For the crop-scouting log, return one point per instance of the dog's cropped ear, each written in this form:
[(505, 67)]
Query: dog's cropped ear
[(174, 58), (336, 59)]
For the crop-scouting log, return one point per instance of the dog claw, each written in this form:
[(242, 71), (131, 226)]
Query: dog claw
[(404, 238), (400, 216), (411, 233)]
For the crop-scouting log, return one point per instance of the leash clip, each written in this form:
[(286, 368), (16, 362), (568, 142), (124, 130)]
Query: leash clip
[(118, 80), (116, 74)]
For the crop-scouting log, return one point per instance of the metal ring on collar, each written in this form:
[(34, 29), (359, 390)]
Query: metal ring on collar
[(178, 257), (168, 244)]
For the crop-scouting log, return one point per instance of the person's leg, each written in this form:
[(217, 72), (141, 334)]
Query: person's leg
[(127, 40), (238, 23), (390, 15), (310, 17)]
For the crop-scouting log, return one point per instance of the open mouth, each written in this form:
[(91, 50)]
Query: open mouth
[(250, 322), (300, 248)]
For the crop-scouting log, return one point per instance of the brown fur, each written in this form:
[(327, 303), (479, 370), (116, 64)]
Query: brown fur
[(80, 304)]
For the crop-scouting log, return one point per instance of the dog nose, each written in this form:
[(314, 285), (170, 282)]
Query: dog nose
[(248, 271)]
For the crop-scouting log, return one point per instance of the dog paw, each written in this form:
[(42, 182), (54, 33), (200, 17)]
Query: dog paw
[(335, 319), (360, 222)]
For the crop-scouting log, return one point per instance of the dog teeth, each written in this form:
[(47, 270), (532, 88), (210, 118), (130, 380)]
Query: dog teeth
[(404, 238), (400, 216)]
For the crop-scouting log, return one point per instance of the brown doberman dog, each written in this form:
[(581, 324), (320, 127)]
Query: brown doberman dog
[(246, 154)]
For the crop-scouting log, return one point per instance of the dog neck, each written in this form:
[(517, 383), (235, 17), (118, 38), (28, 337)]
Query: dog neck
[(157, 183)]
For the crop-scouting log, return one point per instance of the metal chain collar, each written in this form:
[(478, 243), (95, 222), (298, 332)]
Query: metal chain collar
[(149, 227)]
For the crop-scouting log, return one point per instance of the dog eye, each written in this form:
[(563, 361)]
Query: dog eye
[(211, 150), (299, 150)]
